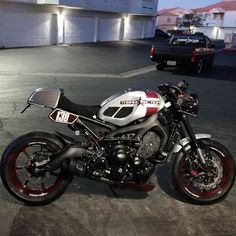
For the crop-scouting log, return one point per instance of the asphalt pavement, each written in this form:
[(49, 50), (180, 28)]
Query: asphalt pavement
[(89, 73)]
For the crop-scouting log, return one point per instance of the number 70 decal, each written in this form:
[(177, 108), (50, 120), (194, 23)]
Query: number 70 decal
[(61, 116)]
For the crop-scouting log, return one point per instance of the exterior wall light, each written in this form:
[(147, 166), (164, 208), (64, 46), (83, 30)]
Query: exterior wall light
[(61, 20), (126, 25)]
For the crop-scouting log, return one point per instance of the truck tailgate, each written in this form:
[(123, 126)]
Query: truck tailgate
[(172, 53)]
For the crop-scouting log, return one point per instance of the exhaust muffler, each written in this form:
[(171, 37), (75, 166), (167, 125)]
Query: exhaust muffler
[(68, 153)]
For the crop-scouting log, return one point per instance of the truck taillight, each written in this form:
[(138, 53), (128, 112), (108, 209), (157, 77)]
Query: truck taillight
[(193, 56), (152, 52)]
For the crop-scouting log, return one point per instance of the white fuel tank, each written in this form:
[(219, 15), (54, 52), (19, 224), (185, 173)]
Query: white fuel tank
[(128, 106)]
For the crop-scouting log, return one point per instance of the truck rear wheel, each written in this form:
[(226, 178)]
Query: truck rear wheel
[(160, 66), (198, 67), (210, 63)]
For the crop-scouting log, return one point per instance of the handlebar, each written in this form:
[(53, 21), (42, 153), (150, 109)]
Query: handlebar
[(170, 88), (180, 88), (175, 92), (183, 85), (183, 100)]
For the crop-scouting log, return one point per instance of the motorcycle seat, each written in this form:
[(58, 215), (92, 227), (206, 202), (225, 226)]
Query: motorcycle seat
[(83, 110)]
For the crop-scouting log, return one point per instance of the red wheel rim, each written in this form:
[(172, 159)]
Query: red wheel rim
[(23, 187), (206, 194)]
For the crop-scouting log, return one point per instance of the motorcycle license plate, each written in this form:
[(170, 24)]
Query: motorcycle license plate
[(171, 63)]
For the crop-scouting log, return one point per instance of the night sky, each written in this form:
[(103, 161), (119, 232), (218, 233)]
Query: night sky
[(188, 4)]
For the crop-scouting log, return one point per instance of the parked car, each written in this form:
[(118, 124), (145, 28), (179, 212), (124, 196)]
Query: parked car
[(190, 51), (160, 34)]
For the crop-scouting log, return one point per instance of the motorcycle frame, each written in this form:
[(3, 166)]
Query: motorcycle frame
[(171, 133), (168, 138)]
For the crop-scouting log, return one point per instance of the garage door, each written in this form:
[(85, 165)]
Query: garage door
[(134, 29), (79, 29), (109, 29), (149, 29), (26, 28)]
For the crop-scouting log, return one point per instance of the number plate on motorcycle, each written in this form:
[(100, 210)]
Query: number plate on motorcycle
[(171, 63), (61, 116)]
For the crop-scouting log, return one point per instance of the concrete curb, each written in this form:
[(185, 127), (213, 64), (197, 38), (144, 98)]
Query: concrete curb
[(229, 49)]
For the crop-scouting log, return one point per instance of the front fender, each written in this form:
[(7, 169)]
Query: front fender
[(183, 142)]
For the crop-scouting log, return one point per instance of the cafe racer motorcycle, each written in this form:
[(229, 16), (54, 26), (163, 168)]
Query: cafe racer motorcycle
[(119, 142)]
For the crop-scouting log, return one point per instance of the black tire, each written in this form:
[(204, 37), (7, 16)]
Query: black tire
[(198, 67), (15, 167), (210, 63), (182, 179), (160, 66)]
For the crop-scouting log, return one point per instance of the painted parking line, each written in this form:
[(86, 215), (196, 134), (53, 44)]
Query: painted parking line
[(52, 74), (219, 50), (128, 74), (139, 71)]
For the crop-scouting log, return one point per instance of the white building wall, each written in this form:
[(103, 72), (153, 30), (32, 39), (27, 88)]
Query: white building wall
[(55, 2), (102, 5), (1, 24), (216, 32), (24, 25), (22, 1), (149, 28), (147, 7), (217, 28), (33, 25), (229, 19), (209, 31)]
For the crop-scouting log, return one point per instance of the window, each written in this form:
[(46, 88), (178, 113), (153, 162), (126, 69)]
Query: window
[(188, 40), (218, 16), (169, 20)]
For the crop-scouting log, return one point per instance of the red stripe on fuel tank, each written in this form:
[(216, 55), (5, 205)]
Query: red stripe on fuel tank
[(151, 111), (151, 94)]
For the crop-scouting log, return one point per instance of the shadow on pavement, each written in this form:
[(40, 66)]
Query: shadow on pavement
[(44, 221), (218, 72), (88, 187), (163, 181), (160, 179)]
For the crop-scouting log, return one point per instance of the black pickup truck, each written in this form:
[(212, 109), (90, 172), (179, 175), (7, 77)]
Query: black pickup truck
[(189, 51)]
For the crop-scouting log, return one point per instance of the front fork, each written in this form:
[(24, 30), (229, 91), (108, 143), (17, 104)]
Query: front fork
[(194, 142)]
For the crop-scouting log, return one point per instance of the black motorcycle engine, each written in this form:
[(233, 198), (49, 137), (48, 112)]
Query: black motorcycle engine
[(149, 146), (126, 161), (118, 158)]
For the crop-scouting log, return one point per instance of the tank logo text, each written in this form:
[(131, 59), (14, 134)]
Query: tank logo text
[(140, 102)]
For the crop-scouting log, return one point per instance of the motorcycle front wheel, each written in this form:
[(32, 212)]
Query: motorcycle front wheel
[(20, 169), (203, 184)]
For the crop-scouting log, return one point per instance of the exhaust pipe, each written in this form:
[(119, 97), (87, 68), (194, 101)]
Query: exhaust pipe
[(69, 153)]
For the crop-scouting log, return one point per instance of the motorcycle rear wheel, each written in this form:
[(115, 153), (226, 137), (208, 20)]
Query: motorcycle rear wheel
[(19, 161), (202, 185)]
